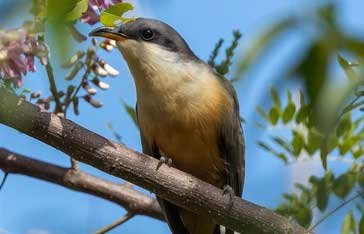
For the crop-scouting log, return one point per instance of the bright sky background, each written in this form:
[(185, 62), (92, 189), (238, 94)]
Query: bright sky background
[(34, 207)]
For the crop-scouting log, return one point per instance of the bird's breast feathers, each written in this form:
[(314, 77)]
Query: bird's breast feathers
[(180, 110)]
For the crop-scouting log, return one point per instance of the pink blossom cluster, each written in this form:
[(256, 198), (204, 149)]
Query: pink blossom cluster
[(91, 16), (17, 52)]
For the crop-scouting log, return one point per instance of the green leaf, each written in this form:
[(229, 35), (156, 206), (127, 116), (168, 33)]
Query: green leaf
[(313, 141), (131, 112), (275, 97), (114, 14), (358, 153), (261, 112), (349, 225), (215, 53), (323, 154), (343, 126), (65, 10), (322, 189), (283, 157), (306, 193), (298, 143), (344, 184), (288, 112), (283, 143), (284, 209), (304, 216), (302, 114), (290, 197), (265, 146), (361, 225), (346, 145), (117, 136), (349, 71), (313, 68), (76, 13), (224, 67), (273, 116)]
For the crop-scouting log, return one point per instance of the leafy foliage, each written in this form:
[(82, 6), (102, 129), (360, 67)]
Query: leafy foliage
[(113, 15), (307, 139), (223, 67)]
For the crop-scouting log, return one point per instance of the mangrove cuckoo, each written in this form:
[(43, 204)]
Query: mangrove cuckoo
[(186, 112)]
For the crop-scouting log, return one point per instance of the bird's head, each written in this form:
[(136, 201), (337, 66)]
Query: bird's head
[(143, 40)]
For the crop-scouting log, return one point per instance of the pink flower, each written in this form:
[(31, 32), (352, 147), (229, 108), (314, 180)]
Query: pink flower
[(12, 64), (91, 16), (29, 63), (17, 52)]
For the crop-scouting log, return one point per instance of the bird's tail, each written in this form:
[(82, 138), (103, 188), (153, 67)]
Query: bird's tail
[(198, 224)]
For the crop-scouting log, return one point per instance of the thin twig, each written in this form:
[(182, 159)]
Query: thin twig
[(215, 53), (84, 78), (115, 224), (3, 180), (336, 209), (74, 164), (345, 110), (52, 84)]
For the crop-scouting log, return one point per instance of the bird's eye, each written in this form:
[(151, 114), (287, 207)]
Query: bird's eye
[(147, 34)]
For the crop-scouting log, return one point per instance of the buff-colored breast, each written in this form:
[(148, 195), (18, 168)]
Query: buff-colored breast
[(185, 127)]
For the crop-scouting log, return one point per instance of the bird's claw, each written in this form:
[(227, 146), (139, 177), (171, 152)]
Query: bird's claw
[(164, 160), (229, 191)]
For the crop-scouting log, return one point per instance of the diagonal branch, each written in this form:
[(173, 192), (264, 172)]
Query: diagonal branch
[(115, 224), (171, 184), (133, 201)]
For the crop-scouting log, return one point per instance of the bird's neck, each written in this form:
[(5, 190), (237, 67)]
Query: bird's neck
[(160, 77)]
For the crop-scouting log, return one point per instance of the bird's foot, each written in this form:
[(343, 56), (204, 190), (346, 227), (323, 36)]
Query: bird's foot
[(229, 192), (164, 160)]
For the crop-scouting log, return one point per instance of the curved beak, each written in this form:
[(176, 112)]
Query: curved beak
[(107, 32)]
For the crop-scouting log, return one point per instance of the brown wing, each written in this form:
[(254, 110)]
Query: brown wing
[(231, 145)]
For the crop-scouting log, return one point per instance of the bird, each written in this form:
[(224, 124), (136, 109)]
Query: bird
[(188, 114)]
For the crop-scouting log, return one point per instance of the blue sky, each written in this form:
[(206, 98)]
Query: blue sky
[(32, 206)]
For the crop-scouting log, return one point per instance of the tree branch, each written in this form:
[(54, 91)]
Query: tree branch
[(118, 222), (169, 183), (133, 201)]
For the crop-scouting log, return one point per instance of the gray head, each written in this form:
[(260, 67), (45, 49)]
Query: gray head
[(147, 31)]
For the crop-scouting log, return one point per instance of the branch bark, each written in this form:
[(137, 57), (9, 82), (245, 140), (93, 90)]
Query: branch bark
[(133, 201), (171, 184)]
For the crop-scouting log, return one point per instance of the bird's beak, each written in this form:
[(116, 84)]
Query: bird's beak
[(111, 33)]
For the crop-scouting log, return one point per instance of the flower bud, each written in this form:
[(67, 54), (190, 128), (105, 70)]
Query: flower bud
[(35, 95), (75, 106), (74, 71), (94, 41), (109, 69), (106, 45), (99, 70), (88, 88), (93, 102), (75, 58), (100, 84)]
